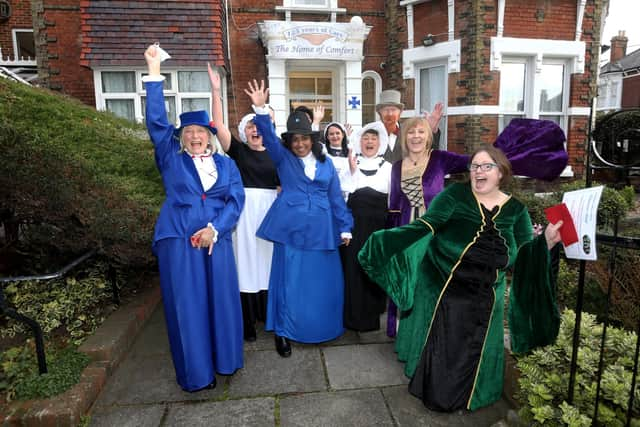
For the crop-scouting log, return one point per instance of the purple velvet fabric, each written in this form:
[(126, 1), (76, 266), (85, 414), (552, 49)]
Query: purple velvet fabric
[(535, 148), (440, 164)]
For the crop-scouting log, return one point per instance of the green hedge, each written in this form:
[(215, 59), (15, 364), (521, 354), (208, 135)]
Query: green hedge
[(74, 178)]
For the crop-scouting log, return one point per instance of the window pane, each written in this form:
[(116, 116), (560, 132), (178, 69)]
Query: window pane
[(193, 81), (555, 119), (508, 117), (512, 79), (25, 45), (170, 105), (194, 104), (116, 81), (316, 3), (302, 86), (121, 108), (432, 86), (368, 100), (324, 86), (551, 83)]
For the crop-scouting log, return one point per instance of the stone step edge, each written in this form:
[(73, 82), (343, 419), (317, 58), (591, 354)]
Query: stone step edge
[(106, 349)]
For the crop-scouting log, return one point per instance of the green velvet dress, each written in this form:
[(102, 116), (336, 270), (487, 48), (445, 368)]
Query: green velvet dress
[(448, 270)]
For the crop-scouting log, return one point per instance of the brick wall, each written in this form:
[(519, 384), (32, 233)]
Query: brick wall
[(20, 19), (58, 43), (540, 19), (430, 18)]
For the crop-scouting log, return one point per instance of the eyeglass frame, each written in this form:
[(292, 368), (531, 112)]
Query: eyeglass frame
[(484, 167)]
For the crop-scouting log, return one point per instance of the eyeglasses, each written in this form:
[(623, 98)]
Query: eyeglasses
[(485, 167)]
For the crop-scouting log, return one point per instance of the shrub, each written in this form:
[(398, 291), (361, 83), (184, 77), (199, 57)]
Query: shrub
[(73, 178), (19, 377), (544, 377), (74, 304)]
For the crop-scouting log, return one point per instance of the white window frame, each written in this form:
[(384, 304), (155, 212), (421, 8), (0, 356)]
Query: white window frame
[(377, 80), (420, 109), (337, 85), (140, 92), (330, 6), (533, 90), (14, 40)]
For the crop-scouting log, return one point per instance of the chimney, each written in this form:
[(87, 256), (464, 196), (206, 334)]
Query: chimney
[(618, 47)]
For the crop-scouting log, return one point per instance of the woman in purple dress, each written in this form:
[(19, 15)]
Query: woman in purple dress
[(415, 181)]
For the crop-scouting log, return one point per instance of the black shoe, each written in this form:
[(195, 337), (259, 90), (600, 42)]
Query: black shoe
[(250, 333), (211, 386), (282, 346)]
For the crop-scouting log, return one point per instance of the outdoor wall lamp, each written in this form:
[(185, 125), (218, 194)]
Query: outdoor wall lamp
[(428, 40)]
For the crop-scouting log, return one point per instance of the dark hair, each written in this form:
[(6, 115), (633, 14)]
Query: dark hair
[(496, 154), (344, 144), (316, 146)]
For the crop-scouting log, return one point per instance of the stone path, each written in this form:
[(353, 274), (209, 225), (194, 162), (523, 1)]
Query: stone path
[(353, 381)]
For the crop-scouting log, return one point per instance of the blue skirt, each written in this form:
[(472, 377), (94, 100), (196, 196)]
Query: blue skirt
[(202, 308), (306, 294)]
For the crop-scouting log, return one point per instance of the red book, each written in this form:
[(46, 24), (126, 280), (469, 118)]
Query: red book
[(568, 231)]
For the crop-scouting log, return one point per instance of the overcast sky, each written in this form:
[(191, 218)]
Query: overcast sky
[(623, 15)]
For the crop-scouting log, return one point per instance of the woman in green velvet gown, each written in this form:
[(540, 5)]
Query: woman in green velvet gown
[(448, 267)]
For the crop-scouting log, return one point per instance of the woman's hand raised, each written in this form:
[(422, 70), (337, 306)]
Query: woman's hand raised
[(258, 93), (152, 57)]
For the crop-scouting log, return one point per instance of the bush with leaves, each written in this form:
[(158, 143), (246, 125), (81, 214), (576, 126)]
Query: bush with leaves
[(73, 178), (74, 305), (544, 377), (20, 379)]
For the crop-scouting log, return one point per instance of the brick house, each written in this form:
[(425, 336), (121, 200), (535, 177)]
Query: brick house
[(619, 82), (487, 60)]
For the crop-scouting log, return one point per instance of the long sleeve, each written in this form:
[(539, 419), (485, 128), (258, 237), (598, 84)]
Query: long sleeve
[(534, 319), (269, 138), (160, 130), (341, 213), (392, 257), (234, 201)]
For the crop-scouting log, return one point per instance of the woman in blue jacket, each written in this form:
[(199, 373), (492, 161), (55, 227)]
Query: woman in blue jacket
[(192, 240), (307, 222)]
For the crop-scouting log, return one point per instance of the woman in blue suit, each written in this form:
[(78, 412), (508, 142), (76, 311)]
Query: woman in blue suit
[(307, 222), (192, 240)]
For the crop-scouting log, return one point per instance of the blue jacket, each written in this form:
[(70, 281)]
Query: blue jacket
[(307, 214), (188, 207)]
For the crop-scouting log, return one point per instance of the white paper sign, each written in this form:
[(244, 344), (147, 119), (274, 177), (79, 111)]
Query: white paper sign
[(583, 206)]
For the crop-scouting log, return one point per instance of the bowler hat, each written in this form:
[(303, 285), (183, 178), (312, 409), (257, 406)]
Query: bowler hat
[(389, 98), (200, 118), (298, 123)]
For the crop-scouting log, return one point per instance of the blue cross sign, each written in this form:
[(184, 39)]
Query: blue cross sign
[(354, 102)]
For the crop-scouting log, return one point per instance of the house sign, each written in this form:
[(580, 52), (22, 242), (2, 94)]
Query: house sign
[(312, 40)]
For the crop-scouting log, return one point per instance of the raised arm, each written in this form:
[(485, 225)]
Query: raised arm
[(224, 136), (259, 95), (160, 131)]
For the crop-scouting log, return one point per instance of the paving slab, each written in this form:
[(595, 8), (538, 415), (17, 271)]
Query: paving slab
[(359, 366), (266, 373), (149, 380), (128, 416), (345, 408), (242, 413), (408, 410)]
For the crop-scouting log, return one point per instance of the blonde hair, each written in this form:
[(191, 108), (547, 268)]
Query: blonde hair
[(409, 124), (211, 144)]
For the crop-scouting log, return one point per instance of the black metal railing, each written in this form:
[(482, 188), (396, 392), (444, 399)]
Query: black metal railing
[(33, 324), (615, 242)]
